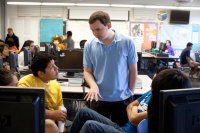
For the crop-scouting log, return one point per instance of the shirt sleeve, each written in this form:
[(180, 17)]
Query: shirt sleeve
[(132, 54), (86, 57)]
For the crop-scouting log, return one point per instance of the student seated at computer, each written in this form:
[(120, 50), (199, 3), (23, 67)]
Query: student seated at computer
[(45, 73), (187, 61), (8, 78), (89, 121), (169, 48), (165, 80), (29, 44), (4, 53)]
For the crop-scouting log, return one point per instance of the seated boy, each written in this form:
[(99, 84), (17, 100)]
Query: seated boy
[(89, 121), (45, 73)]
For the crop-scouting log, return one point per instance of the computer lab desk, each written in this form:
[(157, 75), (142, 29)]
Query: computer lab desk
[(78, 92)]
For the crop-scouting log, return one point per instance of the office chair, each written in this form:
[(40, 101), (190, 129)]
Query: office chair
[(143, 126)]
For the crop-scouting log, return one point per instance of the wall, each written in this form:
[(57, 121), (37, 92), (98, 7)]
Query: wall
[(25, 20)]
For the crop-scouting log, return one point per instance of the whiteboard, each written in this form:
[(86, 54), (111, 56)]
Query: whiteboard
[(81, 29)]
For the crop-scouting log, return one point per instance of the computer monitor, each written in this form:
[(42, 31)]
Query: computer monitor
[(153, 44), (48, 48), (70, 60), (27, 57), (162, 47), (1, 62), (22, 110), (179, 111), (37, 49), (13, 60)]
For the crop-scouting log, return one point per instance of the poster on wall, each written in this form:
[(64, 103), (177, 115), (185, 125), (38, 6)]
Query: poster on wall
[(143, 34), (50, 28)]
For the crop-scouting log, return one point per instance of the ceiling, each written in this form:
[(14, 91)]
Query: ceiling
[(195, 3)]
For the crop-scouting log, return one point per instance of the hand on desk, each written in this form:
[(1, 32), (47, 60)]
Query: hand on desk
[(93, 94)]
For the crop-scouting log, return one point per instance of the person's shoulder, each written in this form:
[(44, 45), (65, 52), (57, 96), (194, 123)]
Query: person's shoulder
[(27, 77)]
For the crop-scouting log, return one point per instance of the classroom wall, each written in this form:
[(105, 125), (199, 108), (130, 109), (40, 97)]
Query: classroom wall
[(25, 20)]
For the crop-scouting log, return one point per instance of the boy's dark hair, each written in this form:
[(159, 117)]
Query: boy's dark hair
[(189, 44), (69, 33), (40, 62), (82, 43), (6, 77), (2, 46), (103, 17), (166, 80)]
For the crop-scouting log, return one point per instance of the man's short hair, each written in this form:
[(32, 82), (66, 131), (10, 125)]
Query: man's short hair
[(189, 44), (103, 17), (6, 77), (10, 29), (40, 62)]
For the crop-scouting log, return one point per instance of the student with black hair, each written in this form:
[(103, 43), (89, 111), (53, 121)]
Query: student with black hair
[(29, 44), (45, 73), (69, 42), (165, 80)]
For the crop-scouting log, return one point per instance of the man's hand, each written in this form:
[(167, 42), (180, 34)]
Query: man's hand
[(59, 115), (93, 94)]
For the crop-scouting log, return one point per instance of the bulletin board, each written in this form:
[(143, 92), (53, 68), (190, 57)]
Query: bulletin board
[(143, 33), (50, 28)]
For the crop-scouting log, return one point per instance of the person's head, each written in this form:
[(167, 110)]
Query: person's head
[(8, 78), (168, 43), (82, 43), (43, 66), (4, 50), (100, 24), (189, 45), (30, 45), (69, 34), (10, 31), (166, 80)]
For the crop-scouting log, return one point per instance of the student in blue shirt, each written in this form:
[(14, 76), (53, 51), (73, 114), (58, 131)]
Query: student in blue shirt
[(89, 121)]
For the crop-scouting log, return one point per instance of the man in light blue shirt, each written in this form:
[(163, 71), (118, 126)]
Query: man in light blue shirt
[(110, 69)]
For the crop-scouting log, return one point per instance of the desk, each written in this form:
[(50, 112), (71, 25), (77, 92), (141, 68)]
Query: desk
[(146, 86)]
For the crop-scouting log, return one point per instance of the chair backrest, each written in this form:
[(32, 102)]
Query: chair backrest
[(143, 126)]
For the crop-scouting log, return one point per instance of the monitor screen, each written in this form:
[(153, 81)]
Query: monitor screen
[(47, 48), (22, 110), (27, 56), (179, 17), (70, 60), (13, 60), (162, 47), (179, 111), (153, 44)]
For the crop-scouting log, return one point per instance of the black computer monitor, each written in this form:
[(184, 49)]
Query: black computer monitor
[(22, 110), (37, 49), (1, 62), (179, 111), (13, 60), (48, 48), (162, 47), (70, 60), (27, 57), (153, 44)]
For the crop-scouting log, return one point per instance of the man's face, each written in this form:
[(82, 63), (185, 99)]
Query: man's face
[(10, 32), (51, 71), (99, 30)]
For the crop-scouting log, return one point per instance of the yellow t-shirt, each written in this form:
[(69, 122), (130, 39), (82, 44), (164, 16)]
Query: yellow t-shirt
[(53, 92)]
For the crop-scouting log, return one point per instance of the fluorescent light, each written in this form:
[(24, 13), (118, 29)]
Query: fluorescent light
[(58, 4), (104, 5), (131, 6), (24, 3), (80, 4)]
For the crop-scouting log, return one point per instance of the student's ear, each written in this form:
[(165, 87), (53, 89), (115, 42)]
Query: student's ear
[(41, 74), (109, 25)]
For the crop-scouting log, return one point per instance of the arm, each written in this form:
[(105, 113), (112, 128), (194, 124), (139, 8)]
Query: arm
[(135, 117), (94, 90), (132, 76), (57, 115)]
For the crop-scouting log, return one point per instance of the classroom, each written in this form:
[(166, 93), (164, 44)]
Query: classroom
[(110, 79)]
